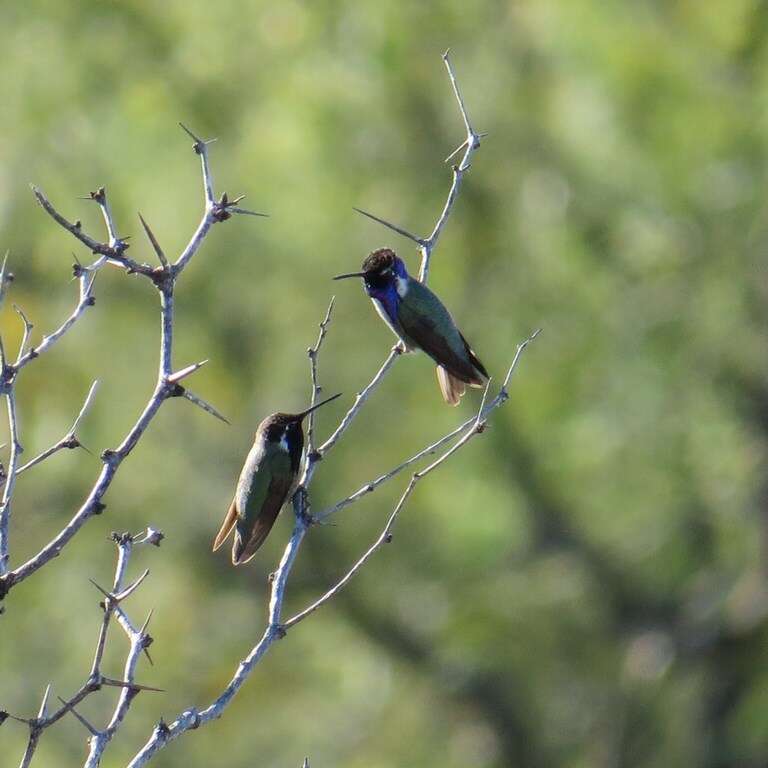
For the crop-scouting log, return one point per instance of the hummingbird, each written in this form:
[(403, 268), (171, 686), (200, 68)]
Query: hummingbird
[(421, 321), (267, 480)]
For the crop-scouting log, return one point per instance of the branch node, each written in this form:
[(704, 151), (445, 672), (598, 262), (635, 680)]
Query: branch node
[(278, 630), (154, 536), (200, 144), (119, 538)]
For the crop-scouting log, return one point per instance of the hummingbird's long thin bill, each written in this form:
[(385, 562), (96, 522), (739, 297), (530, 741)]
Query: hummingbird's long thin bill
[(317, 405), (349, 274)]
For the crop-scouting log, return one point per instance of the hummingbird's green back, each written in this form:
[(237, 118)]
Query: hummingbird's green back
[(427, 325)]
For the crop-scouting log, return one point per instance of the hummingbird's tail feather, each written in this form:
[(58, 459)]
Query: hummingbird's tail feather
[(226, 526), (243, 549), (451, 387)]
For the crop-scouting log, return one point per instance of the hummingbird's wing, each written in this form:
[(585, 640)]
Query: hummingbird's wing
[(475, 360), (248, 538), (428, 323), (263, 489), (226, 526)]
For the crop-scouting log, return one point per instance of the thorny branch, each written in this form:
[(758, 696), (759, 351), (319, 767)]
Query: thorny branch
[(312, 353), (426, 247), (168, 385), (70, 440), (138, 640), (276, 628)]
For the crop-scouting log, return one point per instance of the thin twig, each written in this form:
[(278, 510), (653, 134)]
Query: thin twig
[(138, 643), (27, 330), (113, 250), (312, 353), (432, 448), (129, 687), (70, 439), (10, 481), (85, 300)]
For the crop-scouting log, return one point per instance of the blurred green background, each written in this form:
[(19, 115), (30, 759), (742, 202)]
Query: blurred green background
[(585, 586)]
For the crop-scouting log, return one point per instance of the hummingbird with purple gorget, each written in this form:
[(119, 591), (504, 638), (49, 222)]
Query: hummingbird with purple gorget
[(268, 479), (421, 321)]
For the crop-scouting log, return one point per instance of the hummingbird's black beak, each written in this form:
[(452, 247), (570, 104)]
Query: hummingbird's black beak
[(350, 274), (316, 406)]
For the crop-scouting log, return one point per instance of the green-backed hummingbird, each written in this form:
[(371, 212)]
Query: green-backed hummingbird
[(421, 321), (267, 480)]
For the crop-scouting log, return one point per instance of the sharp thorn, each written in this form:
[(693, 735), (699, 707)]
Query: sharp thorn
[(205, 406), (389, 225), (103, 591), (184, 372), (44, 704), (125, 684), (196, 139), (146, 623), (245, 212), (130, 589), (455, 152), (82, 720), (153, 240)]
